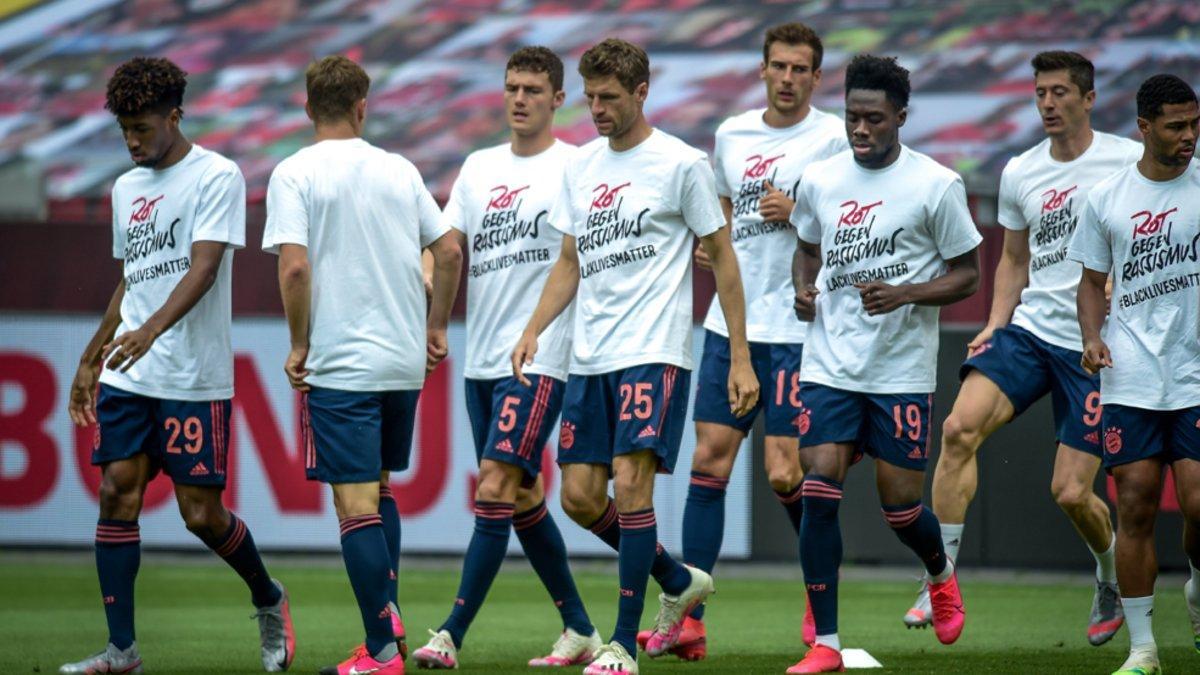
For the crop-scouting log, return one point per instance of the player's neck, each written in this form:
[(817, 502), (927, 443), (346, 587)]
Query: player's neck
[(1160, 173), (175, 154), (637, 133), (779, 120), (529, 146), (341, 130), (1068, 148)]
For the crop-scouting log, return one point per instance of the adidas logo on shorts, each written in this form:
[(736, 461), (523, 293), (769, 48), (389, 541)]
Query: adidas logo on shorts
[(648, 431), (199, 470), (504, 446)]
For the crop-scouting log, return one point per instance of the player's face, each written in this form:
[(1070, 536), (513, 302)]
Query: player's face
[(790, 77), (149, 136), (873, 126), (614, 108), (1171, 137), (1063, 107), (530, 101)]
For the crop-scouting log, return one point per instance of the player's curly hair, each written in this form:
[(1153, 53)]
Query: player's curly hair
[(145, 84), (623, 60), (538, 60), (1162, 90), (794, 34), (1078, 67), (880, 73)]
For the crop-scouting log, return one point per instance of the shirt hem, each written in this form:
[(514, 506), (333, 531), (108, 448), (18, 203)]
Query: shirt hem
[(351, 385), (1061, 344), (601, 368), (1162, 406), (169, 394), (499, 373), (774, 339), (869, 388)]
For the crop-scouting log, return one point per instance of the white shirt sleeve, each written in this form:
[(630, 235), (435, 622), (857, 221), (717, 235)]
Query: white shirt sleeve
[(698, 201), (118, 249), (562, 215), (1008, 212), (429, 216), (221, 211), (803, 218), (454, 215), (952, 228), (287, 212), (1090, 244), (723, 188)]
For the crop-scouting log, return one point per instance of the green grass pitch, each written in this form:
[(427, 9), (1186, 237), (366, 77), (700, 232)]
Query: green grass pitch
[(193, 616)]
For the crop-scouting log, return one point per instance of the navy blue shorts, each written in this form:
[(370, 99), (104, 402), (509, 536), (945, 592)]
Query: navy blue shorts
[(1133, 434), (353, 436), (189, 440), (510, 422), (777, 367), (893, 428), (1026, 367), (637, 408)]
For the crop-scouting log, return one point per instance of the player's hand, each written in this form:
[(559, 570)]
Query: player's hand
[(702, 259), (436, 348), (127, 349), (805, 305), (743, 387), (775, 205), (978, 341), (522, 356), (295, 368), (1095, 356), (880, 298), (82, 406)]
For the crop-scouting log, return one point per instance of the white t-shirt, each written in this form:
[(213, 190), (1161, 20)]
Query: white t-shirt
[(748, 153), (502, 203), (633, 214), (157, 216), (364, 215), (1045, 196), (898, 225), (1147, 235)]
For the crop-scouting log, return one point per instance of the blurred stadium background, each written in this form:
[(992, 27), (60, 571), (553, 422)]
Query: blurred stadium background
[(437, 69)]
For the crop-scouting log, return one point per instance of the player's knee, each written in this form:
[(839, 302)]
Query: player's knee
[(581, 506), (1071, 496), (712, 461), (784, 478), (632, 491), (495, 485), (959, 439), (119, 502), (203, 520)]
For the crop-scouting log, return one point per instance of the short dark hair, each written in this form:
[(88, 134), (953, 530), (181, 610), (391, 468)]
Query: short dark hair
[(794, 34), (335, 84), (538, 60), (1078, 67), (144, 84), (623, 60), (881, 73), (1162, 90)]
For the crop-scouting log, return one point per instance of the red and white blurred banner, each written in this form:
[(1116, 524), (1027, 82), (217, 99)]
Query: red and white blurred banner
[(48, 486)]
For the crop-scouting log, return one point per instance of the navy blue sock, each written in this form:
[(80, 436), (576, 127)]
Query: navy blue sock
[(485, 553), (669, 574), (821, 549), (793, 502), (918, 529), (639, 539), (118, 556), (237, 547), (703, 524), (364, 550), (547, 553), (391, 533)]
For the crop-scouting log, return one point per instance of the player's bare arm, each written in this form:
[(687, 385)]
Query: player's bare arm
[(447, 270), (960, 281), (560, 288), (129, 347), (1012, 276), (427, 273), (806, 265), (295, 287), (701, 256), (82, 406), (743, 384), (1092, 307)]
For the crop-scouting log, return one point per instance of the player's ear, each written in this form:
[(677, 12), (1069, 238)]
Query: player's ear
[(1143, 125), (641, 92), (762, 70), (901, 117), (816, 77), (560, 97), (1089, 100), (360, 111), (308, 111)]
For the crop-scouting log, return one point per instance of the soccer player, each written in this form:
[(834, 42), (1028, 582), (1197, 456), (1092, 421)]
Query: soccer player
[(631, 202), (759, 156), (348, 221), (1142, 227), (885, 239), (1030, 346), (166, 379), (500, 205)]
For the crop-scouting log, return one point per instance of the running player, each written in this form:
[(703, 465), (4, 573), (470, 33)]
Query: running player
[(500, 204), (1030, 346), (889, 233), (759, 156), (348, 222), (166, 379), (631, 203), (1142, 227)]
